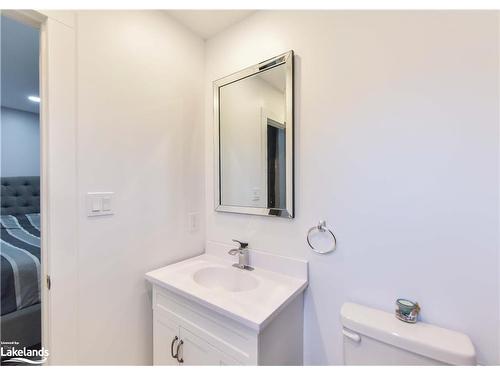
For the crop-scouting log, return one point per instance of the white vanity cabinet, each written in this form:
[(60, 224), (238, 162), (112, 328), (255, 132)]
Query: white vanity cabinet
[(173, 344), (198, 335), (206, 312)]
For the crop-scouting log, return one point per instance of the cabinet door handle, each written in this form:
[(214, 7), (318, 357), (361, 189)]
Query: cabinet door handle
[(180, 360), (172, 347)]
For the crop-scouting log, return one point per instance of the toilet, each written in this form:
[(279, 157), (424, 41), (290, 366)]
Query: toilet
[(374, 337)]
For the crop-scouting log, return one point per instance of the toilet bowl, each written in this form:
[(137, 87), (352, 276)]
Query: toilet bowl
[(374, 337)]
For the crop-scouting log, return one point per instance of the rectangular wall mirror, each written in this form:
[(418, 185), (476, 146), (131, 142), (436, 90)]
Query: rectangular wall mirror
[(253, 111)]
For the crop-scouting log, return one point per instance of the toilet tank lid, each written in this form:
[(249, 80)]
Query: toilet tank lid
[(438, 343)]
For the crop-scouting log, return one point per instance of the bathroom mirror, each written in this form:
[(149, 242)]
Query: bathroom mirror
[(253, 120)]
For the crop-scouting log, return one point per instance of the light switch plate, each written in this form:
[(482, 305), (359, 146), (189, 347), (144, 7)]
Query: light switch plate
[(99, 203)]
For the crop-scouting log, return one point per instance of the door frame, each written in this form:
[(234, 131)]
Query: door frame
[(56, 34), (266, 114)]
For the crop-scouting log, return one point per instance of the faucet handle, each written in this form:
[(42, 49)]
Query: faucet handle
[(243, 245)]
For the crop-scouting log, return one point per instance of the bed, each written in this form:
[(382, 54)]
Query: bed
[(20, 272)]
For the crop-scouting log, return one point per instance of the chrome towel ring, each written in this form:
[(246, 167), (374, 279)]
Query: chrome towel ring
[(321, 227)]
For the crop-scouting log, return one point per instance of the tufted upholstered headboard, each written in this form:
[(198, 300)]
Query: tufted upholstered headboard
[(20, 195)]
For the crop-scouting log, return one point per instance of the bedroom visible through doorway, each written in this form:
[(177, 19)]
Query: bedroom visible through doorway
[(21, 270)]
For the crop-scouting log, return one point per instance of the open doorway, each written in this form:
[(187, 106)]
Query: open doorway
[(21, 271), (276, 164)]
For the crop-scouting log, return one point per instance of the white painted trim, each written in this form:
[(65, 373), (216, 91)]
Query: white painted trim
[(59, 173), (44, 252), (263, 156), (38, 20), (58, 194), (498, 204), (63, 16)]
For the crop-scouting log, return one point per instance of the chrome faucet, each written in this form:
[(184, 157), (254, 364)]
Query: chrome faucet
[(242, 252)]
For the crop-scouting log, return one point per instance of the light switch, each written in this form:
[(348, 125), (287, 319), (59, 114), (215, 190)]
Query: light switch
[(106, 203), (96, 204), (99, 203)]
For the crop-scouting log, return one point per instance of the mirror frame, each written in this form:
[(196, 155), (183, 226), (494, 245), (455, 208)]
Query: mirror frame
[(285, 59)]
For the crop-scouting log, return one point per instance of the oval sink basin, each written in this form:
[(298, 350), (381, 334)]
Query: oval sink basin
[(226, 279)]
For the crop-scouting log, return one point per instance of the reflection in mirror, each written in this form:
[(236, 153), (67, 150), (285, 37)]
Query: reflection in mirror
[(252, 139), (255, 141)]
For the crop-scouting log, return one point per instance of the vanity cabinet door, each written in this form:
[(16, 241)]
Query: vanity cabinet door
[(165, 332), (195, 351)]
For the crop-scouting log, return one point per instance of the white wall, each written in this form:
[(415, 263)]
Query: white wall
[(20, 137), (397, 148), (140, 134)]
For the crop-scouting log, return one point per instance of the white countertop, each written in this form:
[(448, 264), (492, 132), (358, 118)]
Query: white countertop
[(253, 308)]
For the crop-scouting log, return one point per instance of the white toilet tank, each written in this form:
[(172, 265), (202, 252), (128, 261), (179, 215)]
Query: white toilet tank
[(374, 337)]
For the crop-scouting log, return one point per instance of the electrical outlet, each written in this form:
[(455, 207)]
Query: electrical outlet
[(193, 221), (256, 194)]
